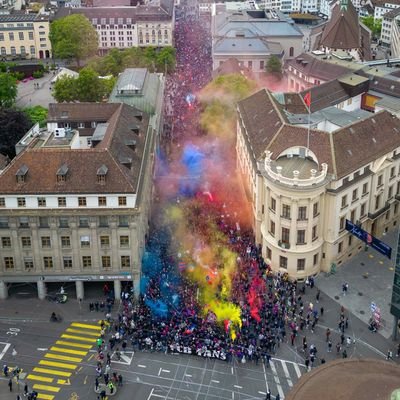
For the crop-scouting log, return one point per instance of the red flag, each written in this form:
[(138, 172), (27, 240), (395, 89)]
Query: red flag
[(307, 99)]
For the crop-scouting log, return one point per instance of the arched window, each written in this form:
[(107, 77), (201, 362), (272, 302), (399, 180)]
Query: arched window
[(3, 51), (291, 52), (33, 52)]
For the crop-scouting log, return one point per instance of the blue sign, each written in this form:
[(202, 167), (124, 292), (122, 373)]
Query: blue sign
[(370, 240)]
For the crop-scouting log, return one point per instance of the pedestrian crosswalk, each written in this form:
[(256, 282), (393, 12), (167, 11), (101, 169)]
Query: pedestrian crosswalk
[(56, 367)]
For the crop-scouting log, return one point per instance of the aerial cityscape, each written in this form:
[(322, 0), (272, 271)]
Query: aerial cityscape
[(199, 199)]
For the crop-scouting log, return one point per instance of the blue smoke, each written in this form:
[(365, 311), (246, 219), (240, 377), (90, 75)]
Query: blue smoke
[(157, 307), (193, 160)]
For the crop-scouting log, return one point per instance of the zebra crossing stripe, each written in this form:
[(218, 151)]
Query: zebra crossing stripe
[(297, 369), (277, 381), (286, 371)]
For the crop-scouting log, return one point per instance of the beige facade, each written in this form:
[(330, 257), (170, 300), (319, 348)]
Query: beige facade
[(24, 36)]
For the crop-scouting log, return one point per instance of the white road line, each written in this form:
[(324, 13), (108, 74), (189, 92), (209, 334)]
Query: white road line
[(238, 387), (232, 370), (215, 381), (297, 369), (188, 375), (151, 394), (141, 366), (277, 381), (233, 395), (6, 347), (159, 372), (263, 393), (286, 371), (265, 377), (166, 370)]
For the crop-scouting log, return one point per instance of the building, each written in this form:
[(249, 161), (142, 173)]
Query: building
[(24, 36), (82, 214), (306, 173), (123, 27), (395, 301), (390, 31), (344, 33), (252, 36), (382, 7)]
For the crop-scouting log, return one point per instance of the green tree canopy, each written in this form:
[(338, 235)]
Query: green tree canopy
[(14, 124), (8, 89), (375, 25), (73, 37), (37, 114), (274, 66), (165, 59)]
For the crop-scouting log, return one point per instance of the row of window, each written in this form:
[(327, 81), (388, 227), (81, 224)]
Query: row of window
[(26, 242), (48, 263), (11, 36), (301, 262), (19, 25), (64, 222), (301, 211), (301, 234), (62, 201), (13, 50)]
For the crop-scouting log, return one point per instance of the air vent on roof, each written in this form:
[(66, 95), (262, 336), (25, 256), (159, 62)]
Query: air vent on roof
[(350, 152), (392, 87), (374, 140)]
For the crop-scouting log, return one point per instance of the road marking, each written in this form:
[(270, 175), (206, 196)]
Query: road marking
[(85, 380), (52, 372), (286, 371), (80, 331), (238, 387), (69, 351), (82, 339), (39, 378), (141, 366), (42, 349), (57, 364), (232, 370), (263, 393), (62, 358), (43, 396), (159, 372), (188, 375), (297, 369), (63, 382), (90, 357), (87, 326), (47, 388), (166, 371), (215, 381), (6, 347), (72, 344), (151, 394), (277, 381)]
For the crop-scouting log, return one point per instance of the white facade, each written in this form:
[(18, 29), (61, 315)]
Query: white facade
[(381, 10)]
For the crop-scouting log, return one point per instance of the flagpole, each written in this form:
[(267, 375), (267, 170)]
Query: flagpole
[(308, 130)]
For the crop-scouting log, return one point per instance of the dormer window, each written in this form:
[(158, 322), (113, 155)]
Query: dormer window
[(101, 174), (131, 143), (62, 173), (21, 174), (126, 161), (135, 129)]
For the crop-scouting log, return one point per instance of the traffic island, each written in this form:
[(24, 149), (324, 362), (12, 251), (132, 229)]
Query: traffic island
[(105, 389)]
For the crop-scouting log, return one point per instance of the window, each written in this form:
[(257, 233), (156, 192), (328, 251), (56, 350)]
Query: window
[(315, 259), (269, 253), (21, 201), (82, 201), (121, 200), (125, 261), (62, 201), (342, 223), (63, 222), (344, 201), (283, 262), (22, 50), (46, 242), (106, 261), (11, 36), (41, 201), (26, 242), (9, 262), (13, 51), (6, 242), (83, 222), (86, 261), (2, 202), (353, 216), (362, 210), (315, 209), (350, 240), (365, 189), (23, 222), (67, 262), (301, 236), (48, 262), (43, 222), (105, 242), (33, 50), (123, 221), (262, 65), (377, 202), (21, 35), (250, 64), (354, 196), (273, 204), (65, 242), (286, 211), (272, 228), (301, 264), (124, 241), (3, 51), (380, 180), (291, 52), (1, 37), (314, 233), (85, 241), (340, 247), (93, 124), (302, 213), (285, 235), (3, 222), (28, 263), (392, 172), (102, 200), (101, 179), (103, 221), (30, 35), (61, 177), (390, 192)]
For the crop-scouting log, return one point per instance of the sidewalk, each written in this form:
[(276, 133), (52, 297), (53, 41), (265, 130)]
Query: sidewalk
[(370, 278)]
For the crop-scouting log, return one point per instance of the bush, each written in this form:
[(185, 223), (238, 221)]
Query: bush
[(18, 75), (38, 74)]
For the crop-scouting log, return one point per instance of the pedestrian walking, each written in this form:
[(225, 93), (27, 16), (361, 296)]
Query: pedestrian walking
[(268, 395), (329, 346), (321, 311), (96, 384), (317, 296), (327, 334), (119, 380), (26, 390), (344, 354), (398, 350), (389, 355), (338, 348), (10, 384)]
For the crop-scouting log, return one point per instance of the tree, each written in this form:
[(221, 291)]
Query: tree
[(37, 114), (73, 37), (274, 66), (165, 59), (8, 89), (64, 89), (14, 124), (374, 25)]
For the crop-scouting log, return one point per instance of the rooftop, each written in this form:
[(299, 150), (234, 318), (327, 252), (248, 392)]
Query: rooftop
[(22, 17)]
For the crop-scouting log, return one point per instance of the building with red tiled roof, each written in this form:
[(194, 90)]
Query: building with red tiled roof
[(77, 197), (307, 172)]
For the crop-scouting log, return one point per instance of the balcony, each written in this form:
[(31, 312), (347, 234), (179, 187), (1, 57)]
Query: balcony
[(283, 245), (379, 212)]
